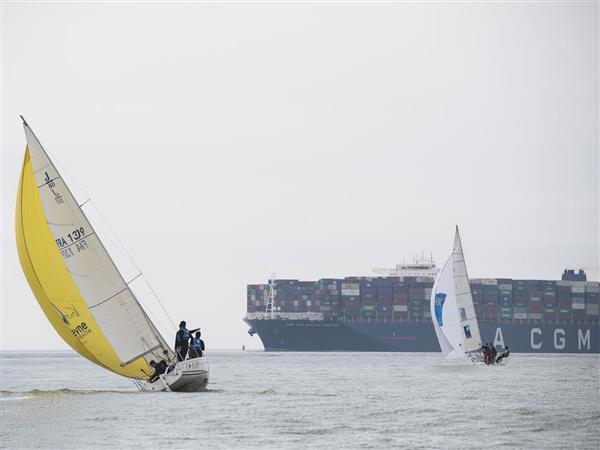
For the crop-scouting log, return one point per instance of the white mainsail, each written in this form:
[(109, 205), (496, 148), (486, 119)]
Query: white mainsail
[(464, 300), (452, 309), (107, 295)]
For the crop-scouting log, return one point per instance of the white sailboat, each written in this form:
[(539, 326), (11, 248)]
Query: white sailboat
[(79, 287), (452, 308)]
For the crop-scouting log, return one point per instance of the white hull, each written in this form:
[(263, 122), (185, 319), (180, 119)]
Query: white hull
[(477, 360), (190, 375)]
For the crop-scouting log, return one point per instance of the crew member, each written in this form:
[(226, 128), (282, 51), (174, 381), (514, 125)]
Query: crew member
[(182, 339), (493, 353), (196, 346), (159, 369), (486, 353)]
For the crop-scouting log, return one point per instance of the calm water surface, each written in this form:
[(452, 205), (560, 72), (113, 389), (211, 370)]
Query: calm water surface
[(307, 400)]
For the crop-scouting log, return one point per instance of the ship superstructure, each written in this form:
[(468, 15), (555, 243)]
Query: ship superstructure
[(420, 267)]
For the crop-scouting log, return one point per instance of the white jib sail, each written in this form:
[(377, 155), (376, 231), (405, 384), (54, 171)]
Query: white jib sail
[(107, 295), (469, 327), (445, 313)]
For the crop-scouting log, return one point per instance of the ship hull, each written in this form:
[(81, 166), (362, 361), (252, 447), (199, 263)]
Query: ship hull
[(329, 335)]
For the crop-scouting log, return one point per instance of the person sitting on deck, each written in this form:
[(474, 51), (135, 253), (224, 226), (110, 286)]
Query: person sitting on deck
[(159, 369), (196, 346), (182, 339)]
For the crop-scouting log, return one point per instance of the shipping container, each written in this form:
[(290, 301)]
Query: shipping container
[(592, 310), (535, 307), (592, 287)]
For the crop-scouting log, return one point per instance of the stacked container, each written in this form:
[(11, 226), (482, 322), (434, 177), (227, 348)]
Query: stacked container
[(385, 288), (505, 300), (416, 301), (305, 296), (327, 294), (563, 301), (477, 294), (368, 299), (490, 299), (257, 297), (578, 301), (521, 300), (284, 295), (350, 297), (549, 302), (592, 302), (400, 300), (534, 292), (407, 299)]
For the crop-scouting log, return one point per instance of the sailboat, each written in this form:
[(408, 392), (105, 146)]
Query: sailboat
[(80, 288), (452, 309)]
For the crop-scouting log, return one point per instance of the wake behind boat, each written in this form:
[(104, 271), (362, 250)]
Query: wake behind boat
[(453, 313), (79, 287)]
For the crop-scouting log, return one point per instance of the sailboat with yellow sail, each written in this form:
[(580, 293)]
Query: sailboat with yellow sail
[(80, 288)]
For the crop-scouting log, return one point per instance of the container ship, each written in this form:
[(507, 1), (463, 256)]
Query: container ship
[(390, 312)]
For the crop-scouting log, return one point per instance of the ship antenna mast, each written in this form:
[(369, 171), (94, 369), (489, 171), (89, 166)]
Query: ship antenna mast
[(271, 298)]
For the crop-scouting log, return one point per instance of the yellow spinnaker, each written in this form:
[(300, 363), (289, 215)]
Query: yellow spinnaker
[(53, 285)]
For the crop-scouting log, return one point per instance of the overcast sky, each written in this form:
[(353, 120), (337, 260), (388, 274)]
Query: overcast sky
[(224, 141)]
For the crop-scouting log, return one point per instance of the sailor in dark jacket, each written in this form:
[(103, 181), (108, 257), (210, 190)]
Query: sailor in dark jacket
[(486, 353), (159, 369), (493, 353), (182, 339), (196, 346)]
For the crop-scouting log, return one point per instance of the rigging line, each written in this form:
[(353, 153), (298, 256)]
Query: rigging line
[(134, 278), (124, 250), (63, 169), (159, 302), (158, 320), (154, 316), (141, 274)]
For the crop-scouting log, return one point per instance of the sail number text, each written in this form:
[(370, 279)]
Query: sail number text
[(74, 237)]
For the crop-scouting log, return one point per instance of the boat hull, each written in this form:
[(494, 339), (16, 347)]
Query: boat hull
[(190, 375), (329, 335)]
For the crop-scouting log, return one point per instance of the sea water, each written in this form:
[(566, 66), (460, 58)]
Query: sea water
[(59, 400)]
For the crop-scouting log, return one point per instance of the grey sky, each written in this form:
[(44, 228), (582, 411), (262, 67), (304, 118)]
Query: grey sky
[(222, 141)]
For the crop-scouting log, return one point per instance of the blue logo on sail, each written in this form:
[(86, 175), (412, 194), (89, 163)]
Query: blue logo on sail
[(438, 305)]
